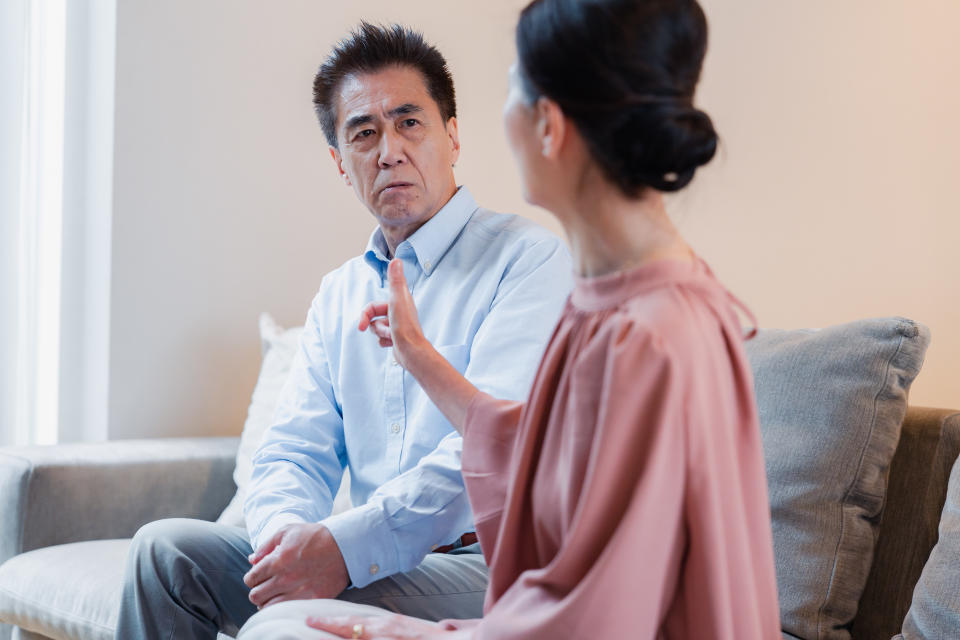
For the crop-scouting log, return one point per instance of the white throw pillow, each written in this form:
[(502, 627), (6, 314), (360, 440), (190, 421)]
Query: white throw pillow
[(278, 348)]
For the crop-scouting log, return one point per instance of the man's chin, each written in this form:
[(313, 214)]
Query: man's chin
[(400, 213)]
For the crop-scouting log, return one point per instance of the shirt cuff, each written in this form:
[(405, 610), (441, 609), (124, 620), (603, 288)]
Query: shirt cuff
[(366, 543), (274, 524)]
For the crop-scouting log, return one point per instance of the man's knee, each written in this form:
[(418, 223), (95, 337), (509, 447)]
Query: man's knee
[(164, 547), (180, 535)]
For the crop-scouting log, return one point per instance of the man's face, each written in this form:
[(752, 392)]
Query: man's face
[(394, 147)]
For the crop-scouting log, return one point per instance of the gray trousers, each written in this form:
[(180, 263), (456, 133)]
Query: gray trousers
[(184, 580)]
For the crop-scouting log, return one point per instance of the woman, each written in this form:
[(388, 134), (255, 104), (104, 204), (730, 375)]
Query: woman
[(627, 497)]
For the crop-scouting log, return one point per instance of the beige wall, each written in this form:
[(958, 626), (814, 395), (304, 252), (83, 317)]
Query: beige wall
[(836, 195), (832, 199)]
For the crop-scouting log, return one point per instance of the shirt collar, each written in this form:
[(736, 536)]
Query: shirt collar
[(430, 242)]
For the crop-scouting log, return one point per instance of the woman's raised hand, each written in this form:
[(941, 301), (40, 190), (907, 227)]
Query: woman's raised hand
[(395, 323)]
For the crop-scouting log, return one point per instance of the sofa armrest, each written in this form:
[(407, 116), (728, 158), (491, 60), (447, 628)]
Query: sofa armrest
[(73, 492), (916, 490)]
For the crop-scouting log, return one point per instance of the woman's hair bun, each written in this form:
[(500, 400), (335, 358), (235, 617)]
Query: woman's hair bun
[(625, 74), (661, 147)]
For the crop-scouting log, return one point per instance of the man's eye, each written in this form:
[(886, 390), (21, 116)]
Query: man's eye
[(410, 122), (366, 133)]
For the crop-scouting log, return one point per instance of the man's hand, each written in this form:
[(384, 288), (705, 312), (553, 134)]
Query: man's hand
[(300, 562)]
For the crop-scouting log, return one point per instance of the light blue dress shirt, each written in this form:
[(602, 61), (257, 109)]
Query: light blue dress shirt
[(489, 289)]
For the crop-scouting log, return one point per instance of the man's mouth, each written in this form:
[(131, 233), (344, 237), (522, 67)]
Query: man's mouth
[(396, 186)]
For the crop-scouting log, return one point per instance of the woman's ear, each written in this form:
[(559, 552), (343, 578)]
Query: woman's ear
[(551, 127)]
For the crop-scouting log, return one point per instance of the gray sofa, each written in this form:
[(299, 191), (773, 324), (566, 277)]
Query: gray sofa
[(69, 512), (54, 499)]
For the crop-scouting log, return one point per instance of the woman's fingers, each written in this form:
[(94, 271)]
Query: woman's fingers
[(395, 274), (376, 316), (381, 327), (401, 311), (370, 312), (339, 626), (399, 294)]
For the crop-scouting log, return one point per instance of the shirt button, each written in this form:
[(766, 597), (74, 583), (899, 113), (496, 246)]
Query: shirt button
[(395, 363), (426, 265), (395, 427), (374, 569)]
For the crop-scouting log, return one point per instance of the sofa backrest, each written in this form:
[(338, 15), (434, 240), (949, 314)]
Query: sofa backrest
[(916, 491)]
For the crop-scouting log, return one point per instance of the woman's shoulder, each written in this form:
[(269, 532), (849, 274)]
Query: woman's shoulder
[(680, 321)]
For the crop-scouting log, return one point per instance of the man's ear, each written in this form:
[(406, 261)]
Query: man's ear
[(338, 160), (551, 127), (453, 132)]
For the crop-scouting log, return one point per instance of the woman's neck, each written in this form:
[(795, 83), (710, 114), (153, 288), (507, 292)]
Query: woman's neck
[(608, 231)]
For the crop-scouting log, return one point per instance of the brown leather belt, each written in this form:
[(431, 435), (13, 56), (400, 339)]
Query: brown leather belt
[(465, 540)]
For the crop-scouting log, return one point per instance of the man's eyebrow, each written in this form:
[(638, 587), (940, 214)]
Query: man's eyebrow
[(404, 110), (356, 121)]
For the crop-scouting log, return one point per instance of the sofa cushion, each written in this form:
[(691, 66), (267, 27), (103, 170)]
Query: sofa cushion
[(278, 347), (66, 591), (831, 403), (935, 610)]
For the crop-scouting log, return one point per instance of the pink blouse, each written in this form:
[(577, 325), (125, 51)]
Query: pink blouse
[(627, 497)]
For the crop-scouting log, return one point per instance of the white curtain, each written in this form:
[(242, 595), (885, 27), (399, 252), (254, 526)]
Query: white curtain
[(56, 72), (33, 195), (12, 38)]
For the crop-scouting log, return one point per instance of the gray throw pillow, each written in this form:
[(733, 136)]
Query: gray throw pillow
[(831, 405), (935, 611)]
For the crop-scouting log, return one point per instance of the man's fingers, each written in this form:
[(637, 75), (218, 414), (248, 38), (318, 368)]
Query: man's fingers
[(278, 598), (265, 592), (371, 311), (266, 547), (259, 573)]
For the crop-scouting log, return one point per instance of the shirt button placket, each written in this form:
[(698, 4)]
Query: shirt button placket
[(393, 410)]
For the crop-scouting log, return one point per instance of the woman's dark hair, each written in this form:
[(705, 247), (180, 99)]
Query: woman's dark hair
[(625, 72), (369, 49)]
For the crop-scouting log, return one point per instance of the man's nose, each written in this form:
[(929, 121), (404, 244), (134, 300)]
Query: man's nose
[(392, 148)]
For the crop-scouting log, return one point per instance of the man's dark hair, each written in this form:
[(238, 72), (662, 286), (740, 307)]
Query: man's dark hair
[(369, 49)]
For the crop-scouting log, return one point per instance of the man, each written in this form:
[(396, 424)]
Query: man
[(489, 288)]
